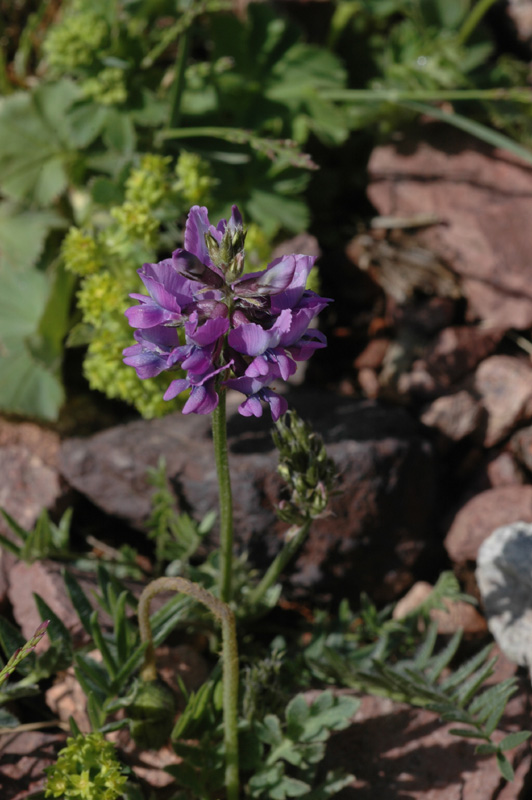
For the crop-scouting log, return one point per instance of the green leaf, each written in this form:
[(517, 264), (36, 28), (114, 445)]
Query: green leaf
[(35, 142), (297, 713), (505, 768), (119, 132), (29, 384), (467, 733), (514, 739), (22, 236), (56, 627), (79, 599), (17, 529), (476, 129), (486, 749), (287, 212), (11, 639), (101, 644), (87, 121), (7, 720)]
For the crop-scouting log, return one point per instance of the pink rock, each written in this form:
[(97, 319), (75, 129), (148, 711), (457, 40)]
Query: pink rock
[(30, 480), (456, 615), (24, 756), (397, 751), (521, 446), (457, 351), (502, 470), (484, 199), (481, 515), (504, 384), (454, 415)]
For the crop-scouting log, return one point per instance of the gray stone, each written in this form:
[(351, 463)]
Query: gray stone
[(380, 523), (504, 577)]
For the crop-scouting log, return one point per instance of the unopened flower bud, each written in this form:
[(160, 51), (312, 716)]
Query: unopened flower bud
[(213, 248), (305, 467)]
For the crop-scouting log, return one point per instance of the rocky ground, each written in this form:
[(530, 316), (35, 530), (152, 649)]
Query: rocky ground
[(424, 399)]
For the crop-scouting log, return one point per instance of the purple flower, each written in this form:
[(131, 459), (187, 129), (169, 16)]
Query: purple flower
[(225, 329)]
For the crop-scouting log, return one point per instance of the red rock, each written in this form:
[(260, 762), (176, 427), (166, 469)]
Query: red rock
[(484, 199), (504, 384), (455, 415), (481, 515)]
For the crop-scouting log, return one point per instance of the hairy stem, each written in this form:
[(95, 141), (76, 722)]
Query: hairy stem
[(219, 435), (225, 616)]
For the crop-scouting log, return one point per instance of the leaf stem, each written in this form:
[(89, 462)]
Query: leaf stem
[(226, 617)]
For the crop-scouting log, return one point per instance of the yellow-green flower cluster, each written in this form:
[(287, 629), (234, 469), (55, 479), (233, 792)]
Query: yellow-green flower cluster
[(107, 259), (76, 40), (105, 371), (101, 295), (86, 769), (108, 87), (149, 183), (194, 180), (81, 253), (137, 221)]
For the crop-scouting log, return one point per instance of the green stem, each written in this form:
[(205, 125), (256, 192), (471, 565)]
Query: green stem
[(179, 78), (514, 94), (295, 536), (473, 18), (229, 662), (219, 435)]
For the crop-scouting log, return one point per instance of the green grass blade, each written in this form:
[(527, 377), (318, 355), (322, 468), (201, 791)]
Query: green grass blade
[(477, 129)]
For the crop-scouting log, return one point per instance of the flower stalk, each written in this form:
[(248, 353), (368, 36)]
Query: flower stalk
[(226, 617), (294, 538), (219, 435)]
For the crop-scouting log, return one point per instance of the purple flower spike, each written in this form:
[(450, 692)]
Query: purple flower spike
[(253, 328)]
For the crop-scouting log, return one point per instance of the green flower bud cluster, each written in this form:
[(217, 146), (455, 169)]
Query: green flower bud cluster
[(194, 180), (81, 253), (150, 182), (102, 294), (137, 222), (306, 468), (76, 41), (106, 260), (105, 371), (258, 248), (86, 769), (108, 87)]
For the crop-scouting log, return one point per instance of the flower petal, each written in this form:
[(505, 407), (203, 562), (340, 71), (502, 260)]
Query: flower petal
[(273, 280), (197, 226)]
